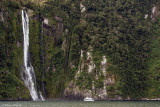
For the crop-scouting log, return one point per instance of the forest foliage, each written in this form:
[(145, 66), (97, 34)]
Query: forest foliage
[(114, 28)]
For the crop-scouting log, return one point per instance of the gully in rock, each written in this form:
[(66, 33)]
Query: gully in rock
[(28, 74)]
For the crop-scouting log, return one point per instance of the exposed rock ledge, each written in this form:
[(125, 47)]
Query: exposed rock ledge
[(72, 92)]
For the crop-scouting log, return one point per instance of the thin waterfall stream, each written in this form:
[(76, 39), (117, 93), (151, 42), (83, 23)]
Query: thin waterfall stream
[(28, 74)]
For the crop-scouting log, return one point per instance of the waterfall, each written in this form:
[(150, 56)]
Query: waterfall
[(28, 74)]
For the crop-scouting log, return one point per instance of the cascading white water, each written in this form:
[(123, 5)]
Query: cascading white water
[(28, 74)]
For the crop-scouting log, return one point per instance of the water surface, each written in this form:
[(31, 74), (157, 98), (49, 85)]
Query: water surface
[(80, 104)]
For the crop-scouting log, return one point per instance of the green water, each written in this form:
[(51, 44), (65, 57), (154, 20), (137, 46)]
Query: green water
[(80, 104)]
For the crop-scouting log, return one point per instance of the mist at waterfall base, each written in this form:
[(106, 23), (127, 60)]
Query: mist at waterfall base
[(28, 74)]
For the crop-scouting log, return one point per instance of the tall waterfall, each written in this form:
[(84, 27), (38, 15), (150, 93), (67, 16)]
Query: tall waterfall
[(28, 74)]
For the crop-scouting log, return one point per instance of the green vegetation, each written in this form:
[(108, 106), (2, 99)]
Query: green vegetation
[(154, 61), (115, 29), (85, 80), (11, 54)]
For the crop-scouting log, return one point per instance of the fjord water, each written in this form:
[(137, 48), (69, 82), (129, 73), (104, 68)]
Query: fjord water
[(28, 74), (80, 104)]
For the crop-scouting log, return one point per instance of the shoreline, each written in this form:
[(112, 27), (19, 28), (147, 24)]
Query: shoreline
[(48, 100)]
